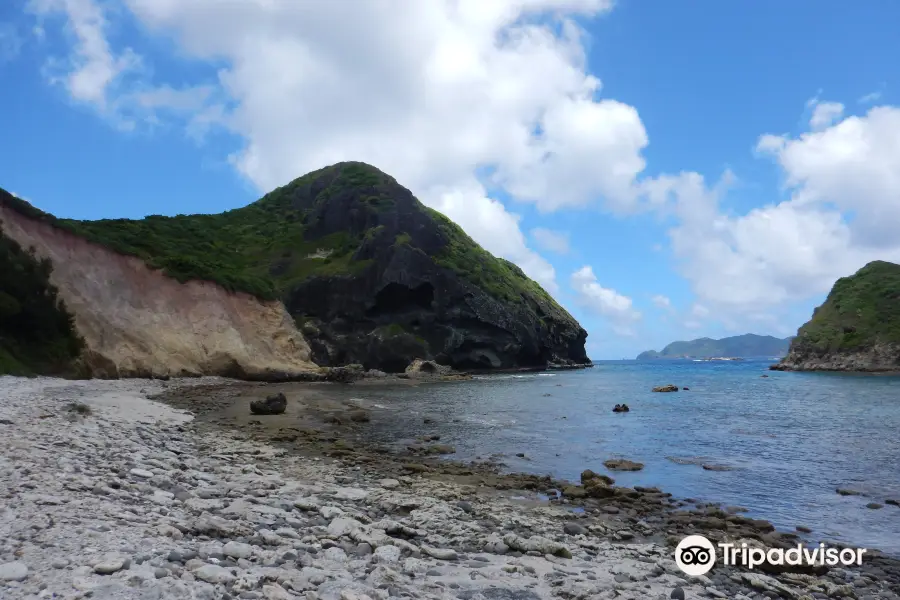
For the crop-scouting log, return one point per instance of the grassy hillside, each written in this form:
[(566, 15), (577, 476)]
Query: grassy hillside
[(37, 334), (265, 248), (861, 310), (746, 345)]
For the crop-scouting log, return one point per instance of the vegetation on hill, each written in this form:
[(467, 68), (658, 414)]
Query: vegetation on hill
[(266, 249), (747, 345), (861, 310), (497, 276), (37, 333)]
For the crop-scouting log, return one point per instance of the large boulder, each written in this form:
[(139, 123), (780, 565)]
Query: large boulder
[(346, 374), (588, 475), (275, 404), (426, 368)]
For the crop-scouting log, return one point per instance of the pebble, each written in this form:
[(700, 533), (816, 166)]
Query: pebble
[(111, 565), (574, 529), (142, 473), (237, 550), (177, 510), (214, 574), (13, 571)]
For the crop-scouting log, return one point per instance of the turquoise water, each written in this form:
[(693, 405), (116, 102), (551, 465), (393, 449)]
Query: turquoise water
[(789, 439)]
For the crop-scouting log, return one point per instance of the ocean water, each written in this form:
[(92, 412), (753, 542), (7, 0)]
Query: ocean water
[(788, 440)]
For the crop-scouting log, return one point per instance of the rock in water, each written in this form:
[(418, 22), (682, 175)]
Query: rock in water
[(621, 464), (588, 475), (666, 388), (275, 404)]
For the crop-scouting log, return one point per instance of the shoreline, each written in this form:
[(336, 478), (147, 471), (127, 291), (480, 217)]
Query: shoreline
[(134, 497), (330, 430)]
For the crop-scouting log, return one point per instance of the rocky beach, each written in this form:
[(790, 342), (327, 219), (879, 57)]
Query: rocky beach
[(150, 489)]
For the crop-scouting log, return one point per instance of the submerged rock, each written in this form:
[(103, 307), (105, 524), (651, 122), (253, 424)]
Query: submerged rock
[(621, 464)]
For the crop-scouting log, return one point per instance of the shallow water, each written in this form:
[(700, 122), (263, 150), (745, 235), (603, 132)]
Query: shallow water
[(790, 439)]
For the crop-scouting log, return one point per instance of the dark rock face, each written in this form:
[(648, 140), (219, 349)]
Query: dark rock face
[(412, 299), (272, 405)]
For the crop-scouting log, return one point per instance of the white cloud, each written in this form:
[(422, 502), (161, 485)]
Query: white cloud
[(169, 98), (112, 81), (870, 98), (698, 310), (438, 93), (606, 302), (662, 302), (92, 69), (552, 241), (844, 182), (431, 92), (825, 114)]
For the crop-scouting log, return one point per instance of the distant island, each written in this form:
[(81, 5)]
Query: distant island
[(857, 328), (739, 346)]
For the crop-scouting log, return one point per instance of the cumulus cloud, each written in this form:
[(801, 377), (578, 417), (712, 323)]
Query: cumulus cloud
[(825, 114), (844, 182), (616, 308), (461, 99), (552, 241), (453, 98), (662, 302), (92, 69)]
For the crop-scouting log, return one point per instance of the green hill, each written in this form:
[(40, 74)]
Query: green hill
[(740, 346), (857, 328), (370, 274)]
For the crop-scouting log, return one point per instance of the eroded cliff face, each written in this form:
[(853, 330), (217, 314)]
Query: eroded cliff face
[(874, 359), (136, 322)]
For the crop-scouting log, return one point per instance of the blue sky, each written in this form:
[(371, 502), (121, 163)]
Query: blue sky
[(123, 108)]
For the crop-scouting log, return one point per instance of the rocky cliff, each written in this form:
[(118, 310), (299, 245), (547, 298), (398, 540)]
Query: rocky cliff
[(857, 328), (136, 322), (367, 273)]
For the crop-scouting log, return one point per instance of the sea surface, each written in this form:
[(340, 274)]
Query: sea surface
[(789, 440)]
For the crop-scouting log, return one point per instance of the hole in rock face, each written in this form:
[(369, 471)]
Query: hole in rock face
[(428, 367), (397, 298), (391, 365)]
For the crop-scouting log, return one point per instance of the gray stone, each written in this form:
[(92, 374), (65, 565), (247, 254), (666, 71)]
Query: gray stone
[(13, 571), (214, 574), (237, 550), (111, 565)]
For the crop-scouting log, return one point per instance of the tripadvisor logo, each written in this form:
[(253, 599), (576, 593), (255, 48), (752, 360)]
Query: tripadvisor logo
[(695, 555)]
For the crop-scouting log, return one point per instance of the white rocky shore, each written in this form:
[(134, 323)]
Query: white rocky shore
[(107, 495)]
